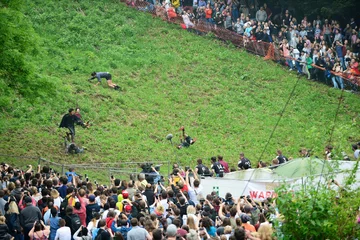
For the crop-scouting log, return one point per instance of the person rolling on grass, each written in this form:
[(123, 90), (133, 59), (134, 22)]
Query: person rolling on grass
[(105, 75), (68, 121), (185, 140)]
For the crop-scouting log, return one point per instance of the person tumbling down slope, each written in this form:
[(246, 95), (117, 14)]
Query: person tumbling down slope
[(105, 75), (185, 140)]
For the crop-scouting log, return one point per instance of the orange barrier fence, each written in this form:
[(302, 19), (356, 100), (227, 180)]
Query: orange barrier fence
[(267, 50)]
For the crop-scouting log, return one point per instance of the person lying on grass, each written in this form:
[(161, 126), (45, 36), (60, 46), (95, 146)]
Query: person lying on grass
[(105, 75), (185, 140)]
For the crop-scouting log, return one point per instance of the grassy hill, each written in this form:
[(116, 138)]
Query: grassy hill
[(229, 100)]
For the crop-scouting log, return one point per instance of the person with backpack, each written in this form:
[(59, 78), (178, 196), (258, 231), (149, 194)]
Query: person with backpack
[(216, 167), (72, 220), (244, 163), (13, 219), (68, 200)]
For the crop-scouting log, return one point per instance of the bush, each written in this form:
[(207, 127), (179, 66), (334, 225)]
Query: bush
[(317, 212), (19, 46)]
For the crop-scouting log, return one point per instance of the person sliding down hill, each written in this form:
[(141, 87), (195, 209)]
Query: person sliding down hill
[(185, 140), (105, 75)]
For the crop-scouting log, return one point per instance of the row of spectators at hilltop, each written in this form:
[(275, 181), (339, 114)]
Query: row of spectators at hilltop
[(304, 43)]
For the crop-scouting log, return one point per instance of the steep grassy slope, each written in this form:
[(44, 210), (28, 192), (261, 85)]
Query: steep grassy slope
[(229, 100)]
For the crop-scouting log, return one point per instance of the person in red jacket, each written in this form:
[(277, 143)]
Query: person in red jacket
[(224, 164), (208, 14)]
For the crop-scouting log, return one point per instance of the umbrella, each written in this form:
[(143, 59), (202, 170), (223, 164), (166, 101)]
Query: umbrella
[(303, 167)]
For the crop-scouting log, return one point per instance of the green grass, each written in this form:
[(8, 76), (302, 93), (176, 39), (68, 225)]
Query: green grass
[(229, 100)]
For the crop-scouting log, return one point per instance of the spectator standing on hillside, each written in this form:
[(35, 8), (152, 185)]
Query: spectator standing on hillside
[(186, 20), (68, 121), (105, 75), (224, 164), (244, 163), (70, 174), (261, 15), (201, 169), (216, 168), (282, 159)]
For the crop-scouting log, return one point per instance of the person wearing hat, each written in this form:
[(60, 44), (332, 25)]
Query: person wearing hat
[(171, 231), (245, 219), (127, 210), (28, 216), (91, 208), (137, 233)]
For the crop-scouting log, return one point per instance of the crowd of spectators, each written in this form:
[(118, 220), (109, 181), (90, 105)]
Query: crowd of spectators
[(319, 48), (41, 204)]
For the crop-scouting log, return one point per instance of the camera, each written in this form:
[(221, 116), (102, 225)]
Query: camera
[(187, 169)]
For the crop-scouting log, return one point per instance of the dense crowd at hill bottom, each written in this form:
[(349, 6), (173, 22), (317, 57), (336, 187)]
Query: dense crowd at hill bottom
[(41, 204)]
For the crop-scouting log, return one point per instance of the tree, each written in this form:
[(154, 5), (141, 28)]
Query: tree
[(20, 44)]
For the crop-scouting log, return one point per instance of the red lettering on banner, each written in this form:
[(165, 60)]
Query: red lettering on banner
[(261, 195), (268, 194), (253, 194)]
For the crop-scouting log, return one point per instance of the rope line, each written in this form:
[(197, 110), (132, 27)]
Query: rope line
[(272, 133)]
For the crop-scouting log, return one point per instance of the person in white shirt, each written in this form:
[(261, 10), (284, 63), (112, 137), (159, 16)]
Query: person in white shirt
[(186, 20), (356, 151), (63, 233)]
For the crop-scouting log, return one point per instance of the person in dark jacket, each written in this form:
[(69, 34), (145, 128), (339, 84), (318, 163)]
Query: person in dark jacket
[(13, 219), (4, 230), (68, 121), (28, 216)]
